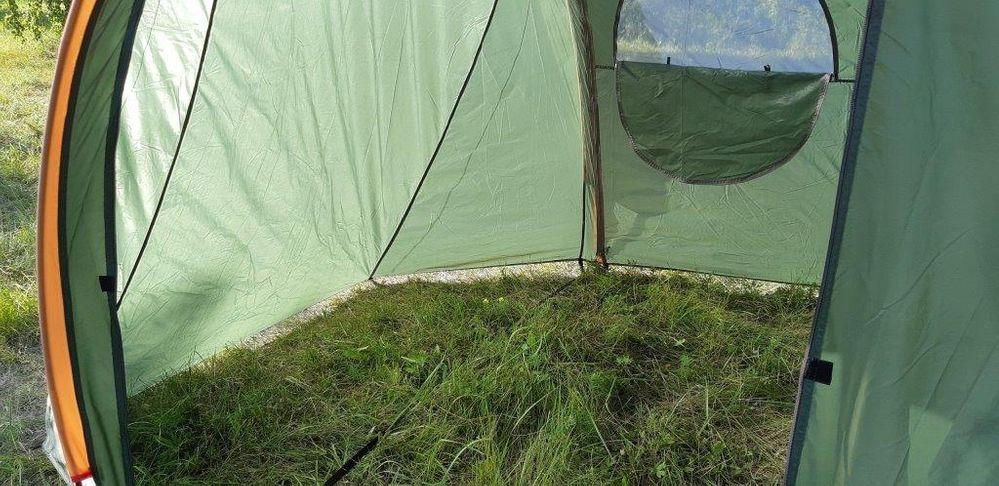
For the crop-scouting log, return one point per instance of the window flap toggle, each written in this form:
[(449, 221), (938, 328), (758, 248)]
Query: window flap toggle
[(107, 283), (819, 371)]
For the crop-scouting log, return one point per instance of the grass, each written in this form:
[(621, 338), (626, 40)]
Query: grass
[(25, 75), (617, 378)]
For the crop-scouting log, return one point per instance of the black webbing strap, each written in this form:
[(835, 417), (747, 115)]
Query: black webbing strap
[(819, 371), (107, 283), (356, 458)]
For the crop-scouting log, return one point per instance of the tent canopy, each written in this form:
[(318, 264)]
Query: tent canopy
[(212, 167)]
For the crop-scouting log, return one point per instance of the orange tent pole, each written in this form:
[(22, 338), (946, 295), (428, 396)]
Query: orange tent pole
[(52, 312)]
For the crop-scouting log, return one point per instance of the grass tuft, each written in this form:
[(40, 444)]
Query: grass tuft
[(617, 378), (25, 74)]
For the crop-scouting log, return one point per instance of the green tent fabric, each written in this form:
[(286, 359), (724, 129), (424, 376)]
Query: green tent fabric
[(655, 221), (908, 309), (716, 126), (225, 257), (227, 164), (87, 240)]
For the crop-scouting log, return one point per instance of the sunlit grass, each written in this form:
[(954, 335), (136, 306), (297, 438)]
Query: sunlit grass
[(25, 75), (617, 378)]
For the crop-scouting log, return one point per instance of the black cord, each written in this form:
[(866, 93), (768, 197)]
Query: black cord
[(355, 459)]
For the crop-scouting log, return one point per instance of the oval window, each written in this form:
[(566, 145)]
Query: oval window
[(721, 91)]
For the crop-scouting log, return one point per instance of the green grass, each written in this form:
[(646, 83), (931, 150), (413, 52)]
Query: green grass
[(618, 378), (25, 74)]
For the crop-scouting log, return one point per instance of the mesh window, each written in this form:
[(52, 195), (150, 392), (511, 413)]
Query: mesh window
[(789, 35), (721, 91)]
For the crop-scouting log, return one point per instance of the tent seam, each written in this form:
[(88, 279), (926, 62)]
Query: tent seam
[(581, 11), (110, 232), (440, 141), (591, 129), (865, 73), (176, 154)]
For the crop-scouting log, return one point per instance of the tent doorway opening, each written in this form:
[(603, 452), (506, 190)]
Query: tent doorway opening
[(212, 167)]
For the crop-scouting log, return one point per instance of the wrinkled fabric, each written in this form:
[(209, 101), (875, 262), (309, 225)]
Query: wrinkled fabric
[(304, 152), (909, 321), (506, 186), (716, 126), (304, 146), (315, 123), (155, 98)]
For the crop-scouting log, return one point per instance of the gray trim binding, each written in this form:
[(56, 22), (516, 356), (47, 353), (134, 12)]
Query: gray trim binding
[(858, 111)]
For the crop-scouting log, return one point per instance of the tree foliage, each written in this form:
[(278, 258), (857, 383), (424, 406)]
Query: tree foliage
[(32, 18)]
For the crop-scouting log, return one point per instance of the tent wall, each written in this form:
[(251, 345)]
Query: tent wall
[(157, 93), (303, 153), (506, 186), (848, 21), (908, 310), (304, 144), (774, 228), (261, 160), (251, 161)]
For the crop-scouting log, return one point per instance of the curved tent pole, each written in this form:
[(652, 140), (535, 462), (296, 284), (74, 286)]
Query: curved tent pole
[(79, 331), (55, 336)]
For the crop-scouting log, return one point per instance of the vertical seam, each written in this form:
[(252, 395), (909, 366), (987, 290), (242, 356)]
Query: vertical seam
[(858, 112), (176, 154), (110, 233), (440, 141)]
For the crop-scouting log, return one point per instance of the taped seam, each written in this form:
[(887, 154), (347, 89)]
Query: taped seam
[(440, 141), (110, 233), (176, 154)]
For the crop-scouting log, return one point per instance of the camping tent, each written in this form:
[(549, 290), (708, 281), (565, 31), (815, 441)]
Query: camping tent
[(214, 166)]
